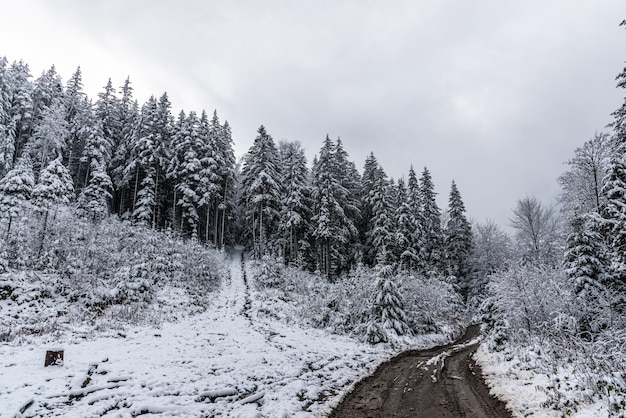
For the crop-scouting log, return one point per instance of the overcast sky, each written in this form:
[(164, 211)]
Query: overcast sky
[(493, 94)]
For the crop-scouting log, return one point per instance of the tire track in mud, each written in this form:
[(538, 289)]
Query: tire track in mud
[(442, 382)]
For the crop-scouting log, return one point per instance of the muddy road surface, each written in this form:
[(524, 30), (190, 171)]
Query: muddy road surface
[(443, 382)]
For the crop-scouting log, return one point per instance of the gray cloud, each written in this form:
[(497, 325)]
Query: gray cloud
[(493, 94)]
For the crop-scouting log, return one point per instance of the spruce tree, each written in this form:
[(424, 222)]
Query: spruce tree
[(7, 131), (431, 226), (55, 187), (21, 106), (93, 202), (49, 139), (296, 203), (406, 252), (388, 315), (15, 190), (333, 228), (261, 192), (586, 262), (458, 239)]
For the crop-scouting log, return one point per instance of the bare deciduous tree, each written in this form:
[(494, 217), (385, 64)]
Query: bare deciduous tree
[(581, 185), (537, 231)]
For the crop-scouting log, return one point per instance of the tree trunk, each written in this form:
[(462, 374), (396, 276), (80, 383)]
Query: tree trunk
[(174, 211), (43, 234), (156, 197), (215, 223), (9, 226), (223, 222), (206, 226), (135, 193)]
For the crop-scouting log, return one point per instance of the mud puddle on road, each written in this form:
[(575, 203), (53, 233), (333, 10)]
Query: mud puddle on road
[(442, 382)]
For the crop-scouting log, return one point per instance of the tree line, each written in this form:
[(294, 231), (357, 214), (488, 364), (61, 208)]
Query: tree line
[(113, 156)]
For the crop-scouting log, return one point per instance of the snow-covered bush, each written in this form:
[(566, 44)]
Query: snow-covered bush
[(388, 316), (531, 301), (267, 272), (346, 305), (536, 316), (106, 274)]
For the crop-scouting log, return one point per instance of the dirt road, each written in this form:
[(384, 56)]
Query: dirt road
[(442, 382)]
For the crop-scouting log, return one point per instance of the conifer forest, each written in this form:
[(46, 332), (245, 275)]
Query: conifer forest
[(117, 214)]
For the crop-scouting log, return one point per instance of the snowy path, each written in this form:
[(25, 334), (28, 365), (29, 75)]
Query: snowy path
[(224, 362)]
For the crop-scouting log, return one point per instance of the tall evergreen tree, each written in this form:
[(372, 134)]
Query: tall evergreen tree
[(333, 229), (458, 235), (49, 139), (55, 187), (586, 262), (129, 119), (296, 203), (381, 233), (15, 190), (261, 191), (47, 89), (228, 180), (406, 250), (458, 241), (93, 202), (77, 109), (210, 179), (431, 225), (7, 129), (388, 315), (21, 107)]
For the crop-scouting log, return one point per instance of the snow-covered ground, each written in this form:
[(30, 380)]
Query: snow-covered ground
[(224, 362), (523, 388)]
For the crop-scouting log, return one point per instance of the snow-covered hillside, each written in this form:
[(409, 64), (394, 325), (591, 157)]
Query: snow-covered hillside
[(225, 362)]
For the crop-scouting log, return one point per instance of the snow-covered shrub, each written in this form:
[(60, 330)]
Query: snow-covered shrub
[(431, 304), (531, 300), (267, 272), (388, 316), (105, 274)]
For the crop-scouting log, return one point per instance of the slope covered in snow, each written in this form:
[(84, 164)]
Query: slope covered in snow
[(226, 361)]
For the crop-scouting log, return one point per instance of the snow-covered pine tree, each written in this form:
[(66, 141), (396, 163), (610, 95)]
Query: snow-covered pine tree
[(55, 187), (97, 148), (147, 159), (21, 107), (333, 229), (93, 202), (261, 192), (210, 162), (458, 240), (228, 181), (7, 131), (77, 108), (128, 115), (107, 111), (406, 252), (371, 171), (187, 166), (49, 139), (15, 191), (388, 315), (296, 203), (46, 89), (431, 226), (586, 262), (614, 217), (381, 233), (417, 246), (349, 178)]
